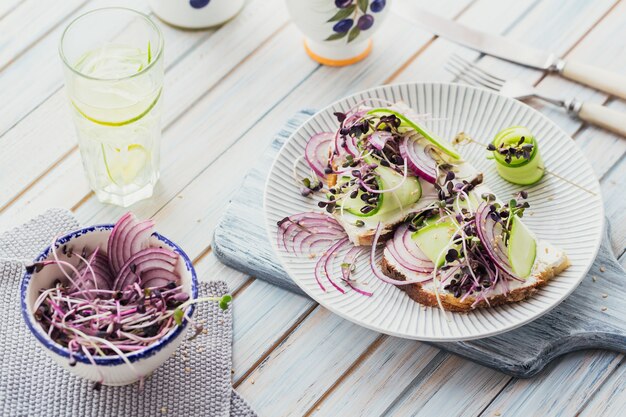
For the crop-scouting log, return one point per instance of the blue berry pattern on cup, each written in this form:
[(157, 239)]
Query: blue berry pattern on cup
[(199, 4), (349, 12), (377, 6)]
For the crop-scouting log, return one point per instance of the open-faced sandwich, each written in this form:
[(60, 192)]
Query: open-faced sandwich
[(385, 182)]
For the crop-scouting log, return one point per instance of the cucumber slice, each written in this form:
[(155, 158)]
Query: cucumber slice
[(406, 195), (526, 174), (354, 206), (434, 239), (511, 136), (519, 170), (413, 125), (522, 248)]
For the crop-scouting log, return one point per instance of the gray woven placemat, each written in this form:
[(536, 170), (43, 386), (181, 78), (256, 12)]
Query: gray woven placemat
[(196, 381)]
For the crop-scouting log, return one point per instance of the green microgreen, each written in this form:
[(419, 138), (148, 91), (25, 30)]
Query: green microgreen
[(178, 316)]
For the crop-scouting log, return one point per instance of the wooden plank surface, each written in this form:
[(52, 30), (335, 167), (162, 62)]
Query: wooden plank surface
[(213, 58), (28, 22), (291, 357)]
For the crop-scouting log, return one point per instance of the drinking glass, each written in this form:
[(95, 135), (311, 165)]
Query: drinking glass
[(113, 67)]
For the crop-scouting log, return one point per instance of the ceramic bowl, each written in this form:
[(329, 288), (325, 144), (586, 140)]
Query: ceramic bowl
[(195, 14), (338, 32), (113, 369)]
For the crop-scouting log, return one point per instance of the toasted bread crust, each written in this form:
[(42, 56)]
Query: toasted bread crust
[(367, 238), (451, 303)]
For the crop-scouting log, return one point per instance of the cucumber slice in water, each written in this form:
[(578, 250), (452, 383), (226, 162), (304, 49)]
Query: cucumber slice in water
[(124, 100), (522, 248), (434, 239), (124, 165)]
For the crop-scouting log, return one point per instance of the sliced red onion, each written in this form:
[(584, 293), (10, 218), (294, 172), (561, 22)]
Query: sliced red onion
[(141, 240), (360, 291), (145, 260), (135, 238), (379, 139), (376, 269), (408, 254), (351, 146), (114, 246), (311, 242), (409, 244), (328, 258), (317, 150), (418, 159), (99, 265), (305, 230), (348, 262), (158, 278), (487, 229)]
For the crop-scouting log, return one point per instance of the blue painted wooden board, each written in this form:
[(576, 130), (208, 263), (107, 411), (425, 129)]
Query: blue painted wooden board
[(585, 320)]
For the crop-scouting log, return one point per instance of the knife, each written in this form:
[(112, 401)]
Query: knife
[(501, 47)]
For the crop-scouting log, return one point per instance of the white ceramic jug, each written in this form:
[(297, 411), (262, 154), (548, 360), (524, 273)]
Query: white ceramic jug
[(195, 14), (338, 32)]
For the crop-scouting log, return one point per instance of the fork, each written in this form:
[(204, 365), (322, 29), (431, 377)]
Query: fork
[(596, 114)]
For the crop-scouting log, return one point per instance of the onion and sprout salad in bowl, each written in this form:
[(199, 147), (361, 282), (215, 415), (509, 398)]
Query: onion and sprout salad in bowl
[(111, 302)]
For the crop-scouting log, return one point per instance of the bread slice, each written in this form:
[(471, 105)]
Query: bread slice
[(549, 262)]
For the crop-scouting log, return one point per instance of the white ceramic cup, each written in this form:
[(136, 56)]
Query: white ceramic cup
[(338, 32), (195, 14), (112, 369)]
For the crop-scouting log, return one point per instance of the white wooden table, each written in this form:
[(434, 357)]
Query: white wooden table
[(227, 91)]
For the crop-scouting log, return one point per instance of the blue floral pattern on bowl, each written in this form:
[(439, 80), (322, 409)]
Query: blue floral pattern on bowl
[(199, 4), (353, 17)]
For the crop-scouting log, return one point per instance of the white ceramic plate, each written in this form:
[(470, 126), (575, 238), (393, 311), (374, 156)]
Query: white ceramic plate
[(560, 213)]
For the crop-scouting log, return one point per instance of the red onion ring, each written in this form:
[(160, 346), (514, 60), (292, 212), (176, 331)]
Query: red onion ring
[(379, 139), (114, 242), (398, 249), (145, 260), (486, 228), (158, 278), (136, 238), (336, 247), (297, 228), (321, 265), (350, 259), (316, 152), (376, 270), (410, 246), (417, 158)]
